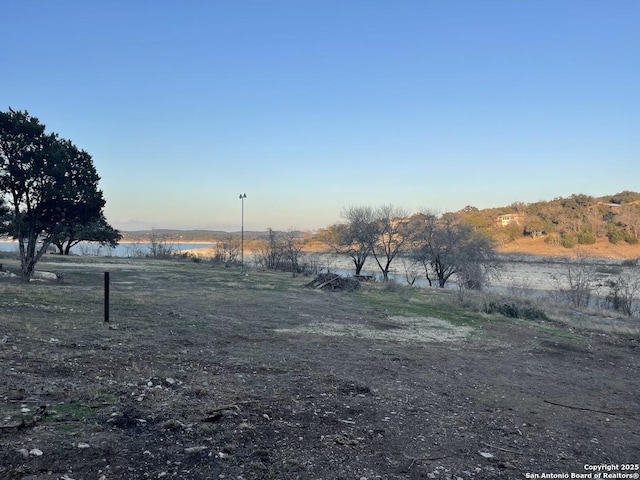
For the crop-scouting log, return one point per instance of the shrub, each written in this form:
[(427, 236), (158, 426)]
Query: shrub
[(568, 241), (552, 239), (586, 238), (615, 234), (516, 310)]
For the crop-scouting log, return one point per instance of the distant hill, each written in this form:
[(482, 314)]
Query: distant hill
[(174, 236), (575, 220), (187, 236)]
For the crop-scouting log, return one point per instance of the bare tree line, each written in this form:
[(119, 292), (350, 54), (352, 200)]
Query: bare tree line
[(282, 251), (446, 246), (442, 245)]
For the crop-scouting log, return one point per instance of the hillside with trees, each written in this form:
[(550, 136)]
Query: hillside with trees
[(565, 221)]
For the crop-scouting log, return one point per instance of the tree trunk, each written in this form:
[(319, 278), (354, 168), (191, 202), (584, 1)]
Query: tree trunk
[(359, 264), (29, 256)]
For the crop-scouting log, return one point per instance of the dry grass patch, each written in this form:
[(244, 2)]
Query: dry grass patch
[(394, 328)]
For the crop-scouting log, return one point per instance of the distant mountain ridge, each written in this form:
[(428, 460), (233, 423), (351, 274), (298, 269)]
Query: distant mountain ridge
[(188, 236)]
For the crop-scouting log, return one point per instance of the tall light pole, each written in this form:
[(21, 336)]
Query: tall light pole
[(242, 197)]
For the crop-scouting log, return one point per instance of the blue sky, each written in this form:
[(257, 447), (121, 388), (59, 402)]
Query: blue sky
[(309, 107)]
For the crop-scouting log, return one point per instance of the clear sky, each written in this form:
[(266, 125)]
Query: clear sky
[(312, 106)]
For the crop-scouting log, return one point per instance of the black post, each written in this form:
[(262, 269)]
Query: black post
[(242, 197), (106, 297)]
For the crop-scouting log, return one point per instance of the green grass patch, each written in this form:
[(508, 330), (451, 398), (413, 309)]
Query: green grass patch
[(70, 412), (417, 302)]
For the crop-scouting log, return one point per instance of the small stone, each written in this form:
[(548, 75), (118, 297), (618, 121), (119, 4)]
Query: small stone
[(149, 384), (35, 452), (170, 381), (486, 454), (194, 449), (24, 452), (83, 445)]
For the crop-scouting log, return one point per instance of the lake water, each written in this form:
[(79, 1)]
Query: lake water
[(140, 249)]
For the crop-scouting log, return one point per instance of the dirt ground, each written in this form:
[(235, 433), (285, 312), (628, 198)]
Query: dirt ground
[(208, 374), (601, 249)]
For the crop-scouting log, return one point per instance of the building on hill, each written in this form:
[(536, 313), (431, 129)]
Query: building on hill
[(509, 219), (609, 204)]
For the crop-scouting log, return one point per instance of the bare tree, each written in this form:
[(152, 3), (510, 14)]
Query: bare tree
[(159, 247), (358, 235), (291, 246), (579, 279), (411, 271), (387, 235), (445, 246), (270, 254), (624, 293), (282, 251), (226, 252), (353, 238)]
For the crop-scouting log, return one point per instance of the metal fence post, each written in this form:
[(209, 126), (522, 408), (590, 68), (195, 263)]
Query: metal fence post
[(106, 297)]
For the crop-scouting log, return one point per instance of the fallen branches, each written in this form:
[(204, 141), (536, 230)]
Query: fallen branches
[(414, 460), (230, 406), (573, 407), (330, 281), (503, 449)]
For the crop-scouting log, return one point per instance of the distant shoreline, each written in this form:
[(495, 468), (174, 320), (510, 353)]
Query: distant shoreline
[(600, 249), (526, 246)]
